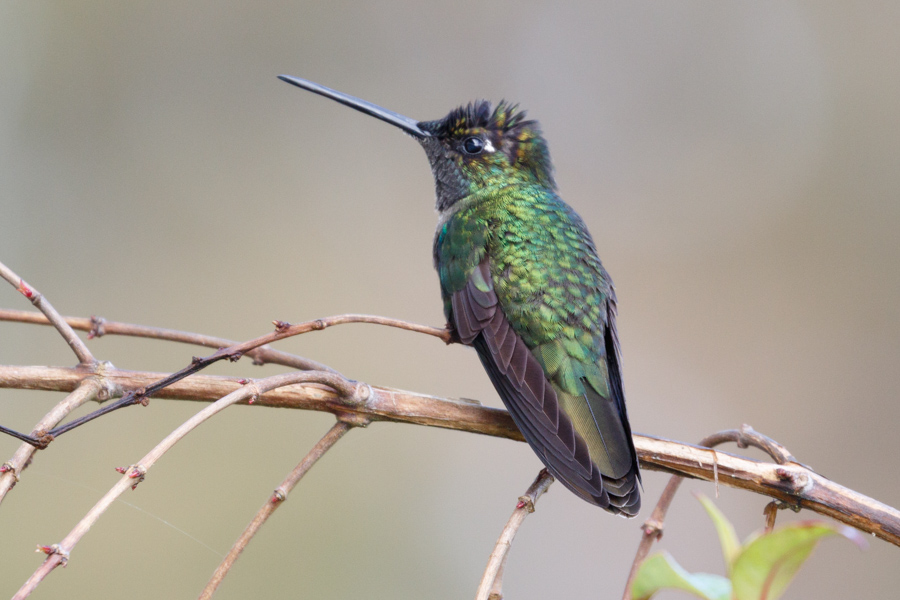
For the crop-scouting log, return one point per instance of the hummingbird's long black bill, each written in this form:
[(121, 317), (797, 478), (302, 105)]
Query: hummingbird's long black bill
[(408, 125)]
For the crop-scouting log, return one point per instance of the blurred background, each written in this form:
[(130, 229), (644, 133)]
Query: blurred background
[(737, 165)]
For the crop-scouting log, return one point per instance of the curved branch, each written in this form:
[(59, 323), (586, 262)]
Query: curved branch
[(58, 554), (81, 351), (791, 483)]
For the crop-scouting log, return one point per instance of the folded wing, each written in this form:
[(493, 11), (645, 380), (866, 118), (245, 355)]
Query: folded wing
[(584, 440)]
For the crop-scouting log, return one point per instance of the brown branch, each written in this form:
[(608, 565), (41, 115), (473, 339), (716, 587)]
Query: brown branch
[(744, 437), (792, 483), (233, 353), (280, 495), (98, 327), (89, 389), (58, 554), (491, 586), (81, 351), (386, 404)]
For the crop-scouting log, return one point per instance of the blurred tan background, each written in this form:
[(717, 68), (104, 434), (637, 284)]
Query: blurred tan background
[(737, 165)]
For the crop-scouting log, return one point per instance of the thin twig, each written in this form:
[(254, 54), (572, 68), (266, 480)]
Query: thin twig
[(233, 353), (98, 327), (792, 483), (89, 389), (58, 554), (81, 351), (336, 432), (491, 586), (653, 527)]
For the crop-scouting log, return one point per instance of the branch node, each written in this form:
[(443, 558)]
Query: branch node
[(360, 395), (138, 473), (108, 389), (139, 396), (27, 291), (43, 438), (255, 389), (525, 502), (8, 467), (280, 326), (98, 327), (653, 528), (253, 397), (55, 549), (278, 496), (783, 474), (353, 419), (795, 481)]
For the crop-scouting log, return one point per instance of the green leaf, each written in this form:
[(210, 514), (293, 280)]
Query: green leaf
[(661, 571), (765, 567), (728, 538)]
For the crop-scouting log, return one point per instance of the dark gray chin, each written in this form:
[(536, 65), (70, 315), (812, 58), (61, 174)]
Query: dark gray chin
[(449, 184)]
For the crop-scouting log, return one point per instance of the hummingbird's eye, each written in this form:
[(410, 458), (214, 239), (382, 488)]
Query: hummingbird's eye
[(473, 145)]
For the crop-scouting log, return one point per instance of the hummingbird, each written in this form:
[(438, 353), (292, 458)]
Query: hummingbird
[(522, 283)]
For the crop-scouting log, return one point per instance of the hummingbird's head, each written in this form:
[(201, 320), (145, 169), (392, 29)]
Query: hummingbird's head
[(479, 146), (475, 147)]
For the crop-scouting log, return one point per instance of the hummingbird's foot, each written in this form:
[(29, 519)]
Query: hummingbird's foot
[(452, 335)]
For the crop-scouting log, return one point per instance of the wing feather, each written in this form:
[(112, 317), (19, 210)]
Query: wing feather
[(534, 403)]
